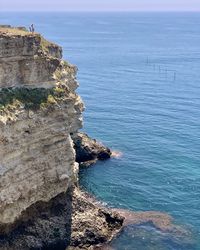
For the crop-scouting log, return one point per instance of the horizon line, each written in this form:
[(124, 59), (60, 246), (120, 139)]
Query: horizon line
[(103, 11)]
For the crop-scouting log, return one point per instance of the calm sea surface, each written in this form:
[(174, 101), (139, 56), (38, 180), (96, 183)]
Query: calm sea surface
[(139, 77)]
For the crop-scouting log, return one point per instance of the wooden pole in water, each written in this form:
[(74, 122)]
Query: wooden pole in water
[(174, 76)]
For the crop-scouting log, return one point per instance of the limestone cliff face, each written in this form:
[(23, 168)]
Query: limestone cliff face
[(27, 59), (39, 110)]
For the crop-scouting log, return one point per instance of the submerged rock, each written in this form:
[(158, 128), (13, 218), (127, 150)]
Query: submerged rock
[(151, 230)]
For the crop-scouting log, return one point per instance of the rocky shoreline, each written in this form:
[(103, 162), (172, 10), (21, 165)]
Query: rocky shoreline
[(72, 220)]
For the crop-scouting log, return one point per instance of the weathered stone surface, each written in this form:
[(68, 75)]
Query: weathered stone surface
[(88, 150), (71, 219), (27, 59)]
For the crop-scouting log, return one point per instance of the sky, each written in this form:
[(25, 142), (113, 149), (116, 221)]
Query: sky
[(100, 5)]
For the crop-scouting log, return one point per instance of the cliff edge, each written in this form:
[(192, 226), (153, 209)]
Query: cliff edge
[(40, 112)]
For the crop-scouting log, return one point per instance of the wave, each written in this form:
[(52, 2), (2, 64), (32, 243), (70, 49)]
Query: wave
[(116, 154)]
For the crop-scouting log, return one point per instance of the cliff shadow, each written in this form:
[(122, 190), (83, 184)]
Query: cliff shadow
[(44, 226)]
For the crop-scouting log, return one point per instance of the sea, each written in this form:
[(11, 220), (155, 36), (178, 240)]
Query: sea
[(139, 75)]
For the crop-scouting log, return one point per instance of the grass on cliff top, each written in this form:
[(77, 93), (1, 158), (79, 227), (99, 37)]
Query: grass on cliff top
[(32, 99), (13, 31)]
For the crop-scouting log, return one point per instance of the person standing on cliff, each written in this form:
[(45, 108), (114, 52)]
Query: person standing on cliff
[(31, 28)]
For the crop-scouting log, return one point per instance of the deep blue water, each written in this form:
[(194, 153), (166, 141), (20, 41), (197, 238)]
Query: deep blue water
[(139, 76)]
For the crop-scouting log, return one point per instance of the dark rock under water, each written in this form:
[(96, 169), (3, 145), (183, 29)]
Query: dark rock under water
[(151, 230)]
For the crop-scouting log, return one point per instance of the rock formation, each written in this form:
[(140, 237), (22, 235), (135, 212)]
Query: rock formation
[(88, 150), (71, 219), (39, 113)]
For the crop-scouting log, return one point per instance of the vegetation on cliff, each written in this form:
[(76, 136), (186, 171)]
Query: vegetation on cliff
[(31, 98), (8, 30)]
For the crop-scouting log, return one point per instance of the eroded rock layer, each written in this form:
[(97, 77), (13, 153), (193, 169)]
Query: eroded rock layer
[(27, 59), (71, 219)]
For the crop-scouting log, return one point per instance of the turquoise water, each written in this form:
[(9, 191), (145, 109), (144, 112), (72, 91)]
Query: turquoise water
[(140, 80)]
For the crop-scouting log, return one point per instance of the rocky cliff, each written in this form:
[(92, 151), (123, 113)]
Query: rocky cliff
[(40, 112)]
